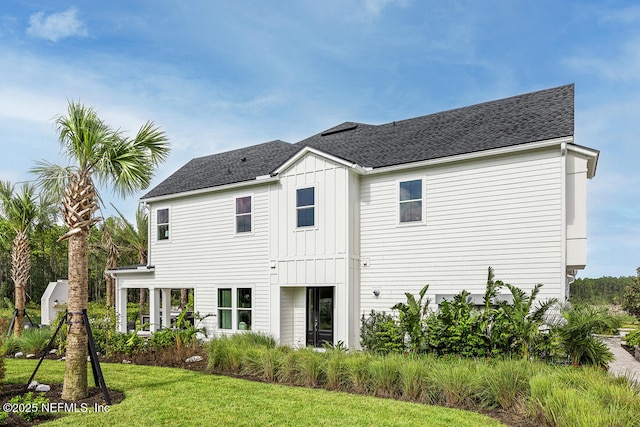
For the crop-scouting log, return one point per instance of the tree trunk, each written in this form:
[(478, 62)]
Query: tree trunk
[(20, 271), (184, 298), (75, 374), (143, 302)]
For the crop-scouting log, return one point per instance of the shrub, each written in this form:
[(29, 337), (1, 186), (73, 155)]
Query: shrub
[(631, 296), (457, 382), (506, 383), (414, 375), (357, 367), (633, 338), (337, 373), (457, 328), (2, 368), (34, 404), (568, 397), (380, 333), (413, 314), (577, 335), (384, 374), (128, 344), (34, 340), (10, 345)]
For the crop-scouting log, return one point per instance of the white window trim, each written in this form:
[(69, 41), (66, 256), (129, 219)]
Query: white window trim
[(315, 208), (157, 239), (234, 308), (235, 215), (423, 220)]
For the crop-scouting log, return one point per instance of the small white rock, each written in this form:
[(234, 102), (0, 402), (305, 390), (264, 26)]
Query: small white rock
[(53, 351), (32, 385), (19, 354), (30, 356), (193, 359), (125, 361), (62, 359), (43, 387)]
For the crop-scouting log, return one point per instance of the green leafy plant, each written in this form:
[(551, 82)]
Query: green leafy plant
[(33, 403), (577, 335), (34, 340), (413, 314), (380, 333), (633, 338), (457, 328), (631, 296)]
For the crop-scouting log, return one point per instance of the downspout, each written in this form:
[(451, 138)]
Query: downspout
[(564, 282)]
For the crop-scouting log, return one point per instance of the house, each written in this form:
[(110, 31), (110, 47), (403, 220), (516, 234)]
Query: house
[(300, 240)]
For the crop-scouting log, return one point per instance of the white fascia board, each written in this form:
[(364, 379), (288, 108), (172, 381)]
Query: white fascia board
[(306, 150), (258, 181), (137, 270), (592, 158), (475, 155)]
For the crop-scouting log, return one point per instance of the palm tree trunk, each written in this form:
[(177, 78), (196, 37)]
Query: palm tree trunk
[(20, 271), (75, 374), (184, 298)]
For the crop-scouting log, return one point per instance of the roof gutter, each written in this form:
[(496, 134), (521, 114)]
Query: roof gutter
[(257, 181), (474, 155)]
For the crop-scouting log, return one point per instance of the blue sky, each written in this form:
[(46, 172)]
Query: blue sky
[(218, 75)]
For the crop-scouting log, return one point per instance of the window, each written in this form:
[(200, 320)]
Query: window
[(411, 201), (244, 309), (236, 312), (305, 207), (224, 309), (243, 214), (163, 224)]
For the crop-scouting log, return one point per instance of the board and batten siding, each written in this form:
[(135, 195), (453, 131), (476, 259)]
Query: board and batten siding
[(321, 255), (504, 212), (205, 253)]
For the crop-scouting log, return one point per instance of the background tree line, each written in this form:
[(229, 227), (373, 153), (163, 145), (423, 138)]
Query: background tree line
[(49, 259), (601, 291)]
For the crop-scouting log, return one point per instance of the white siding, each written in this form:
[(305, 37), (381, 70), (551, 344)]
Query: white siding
[(322, 255), (576, 200), (503, 212), (205, 253)]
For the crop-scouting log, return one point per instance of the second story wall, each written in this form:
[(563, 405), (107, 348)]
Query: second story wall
[(505, 212), (204, 245), (310, 225)]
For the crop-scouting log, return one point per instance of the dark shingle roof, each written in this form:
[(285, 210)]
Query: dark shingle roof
[(526, 118), (229, 167), (531, 117)]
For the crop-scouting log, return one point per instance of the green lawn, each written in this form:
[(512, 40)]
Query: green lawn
[(164, 396)]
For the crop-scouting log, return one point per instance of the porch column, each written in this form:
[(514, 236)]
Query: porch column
[(121, 309), (154, 309), (166, 308)]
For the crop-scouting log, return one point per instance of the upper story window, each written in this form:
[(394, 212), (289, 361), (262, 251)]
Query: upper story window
[(243, 214), (411, 201), (162, 220), (305, 207)]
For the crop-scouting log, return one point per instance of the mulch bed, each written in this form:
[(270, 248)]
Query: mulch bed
[(95, 400)]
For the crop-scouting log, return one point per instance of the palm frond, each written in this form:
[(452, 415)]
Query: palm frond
[(52, 179)]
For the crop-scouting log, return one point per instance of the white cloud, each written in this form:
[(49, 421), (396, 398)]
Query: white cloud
[(56, 26)]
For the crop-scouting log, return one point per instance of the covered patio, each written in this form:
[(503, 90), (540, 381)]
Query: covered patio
[(142, 277)]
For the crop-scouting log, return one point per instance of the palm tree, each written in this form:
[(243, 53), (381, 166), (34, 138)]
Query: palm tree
[(127, 164), (22, 212), (137, 238)]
